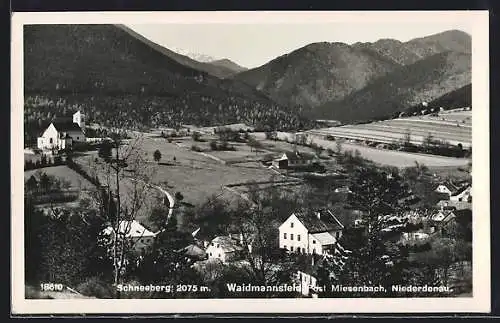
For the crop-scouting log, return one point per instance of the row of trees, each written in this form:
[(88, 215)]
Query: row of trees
[(142, 113), (431, 145)]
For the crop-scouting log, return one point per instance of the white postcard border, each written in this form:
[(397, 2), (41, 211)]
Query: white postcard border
[(480, 302)]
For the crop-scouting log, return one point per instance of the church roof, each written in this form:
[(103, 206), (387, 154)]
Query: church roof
[(66, 125)]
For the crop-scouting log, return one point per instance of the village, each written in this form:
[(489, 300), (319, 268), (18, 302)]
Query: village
[(192, 165)]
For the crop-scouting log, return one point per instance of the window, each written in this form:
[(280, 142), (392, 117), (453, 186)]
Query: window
[(314, 250), (77, 138), (284, 246), (284, 235), (304, 250), (210, 254), (314, 241), (219, 255), (142, 240), (291, 224), (218, 245), (51, 140), (298, 237), (291, 236), (337, 234), (291, 248)]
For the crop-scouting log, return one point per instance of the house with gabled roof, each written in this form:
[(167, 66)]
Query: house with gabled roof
[(134, 232), (295, 159), (447, 188), (62, 133), (443, 215), (310, 232), (224, 248), (463, 194)]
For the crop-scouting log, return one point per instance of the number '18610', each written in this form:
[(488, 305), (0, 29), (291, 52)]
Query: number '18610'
[(51, 287)]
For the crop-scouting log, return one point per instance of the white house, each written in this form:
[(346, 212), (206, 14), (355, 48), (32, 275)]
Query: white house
[(462, 195), (308, 283), (295, 159), (446, 189), (443, 215), (315, 233), (412, 237), (63, 133), (140, 237), (224, 248)]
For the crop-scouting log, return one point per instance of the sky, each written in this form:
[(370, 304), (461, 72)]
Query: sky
[(252, 45)]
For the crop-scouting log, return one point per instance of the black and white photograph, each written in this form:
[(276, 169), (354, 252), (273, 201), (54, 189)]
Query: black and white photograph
[(290, 162)]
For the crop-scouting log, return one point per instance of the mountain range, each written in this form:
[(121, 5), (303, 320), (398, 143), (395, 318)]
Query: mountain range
[(221, 68), (122, 78), (422, 81), (366, 80)]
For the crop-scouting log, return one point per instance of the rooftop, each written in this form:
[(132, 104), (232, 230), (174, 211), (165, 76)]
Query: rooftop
[(131, 229), (297, 156), (324, 238), (226, 243), (64, 124), (320, 221)]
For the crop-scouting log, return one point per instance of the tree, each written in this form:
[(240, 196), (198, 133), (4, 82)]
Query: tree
[(122, 198), (317, 148), (375, 195), (157, 155), (338, 147), (428, 142), (302, 139), (65, 247), (178, 196), (256, 220), (105, 151), (254, 143), (196, 136), (167, 264), (213, 145), (407, 139)]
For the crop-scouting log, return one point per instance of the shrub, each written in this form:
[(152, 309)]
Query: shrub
[(29, 164), (213, 145), (94, 286), (195, 148), (179, 196), (196, 136), (43, 160)]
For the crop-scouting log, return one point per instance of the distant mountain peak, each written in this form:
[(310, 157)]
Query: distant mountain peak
[(200, 57)]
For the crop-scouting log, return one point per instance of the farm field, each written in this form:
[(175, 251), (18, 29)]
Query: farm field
[(195, 176), (388, 157), (452, 126), (63, 172)]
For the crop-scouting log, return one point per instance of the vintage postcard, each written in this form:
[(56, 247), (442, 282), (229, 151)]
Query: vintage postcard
[(250, 162)]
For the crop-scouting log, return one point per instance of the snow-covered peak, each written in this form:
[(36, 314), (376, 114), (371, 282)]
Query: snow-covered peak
[(196, 56)]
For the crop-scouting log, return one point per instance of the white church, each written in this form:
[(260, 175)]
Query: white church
[(63, 133)]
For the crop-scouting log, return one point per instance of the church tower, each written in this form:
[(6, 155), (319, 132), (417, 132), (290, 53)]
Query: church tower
[(79, 118)]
